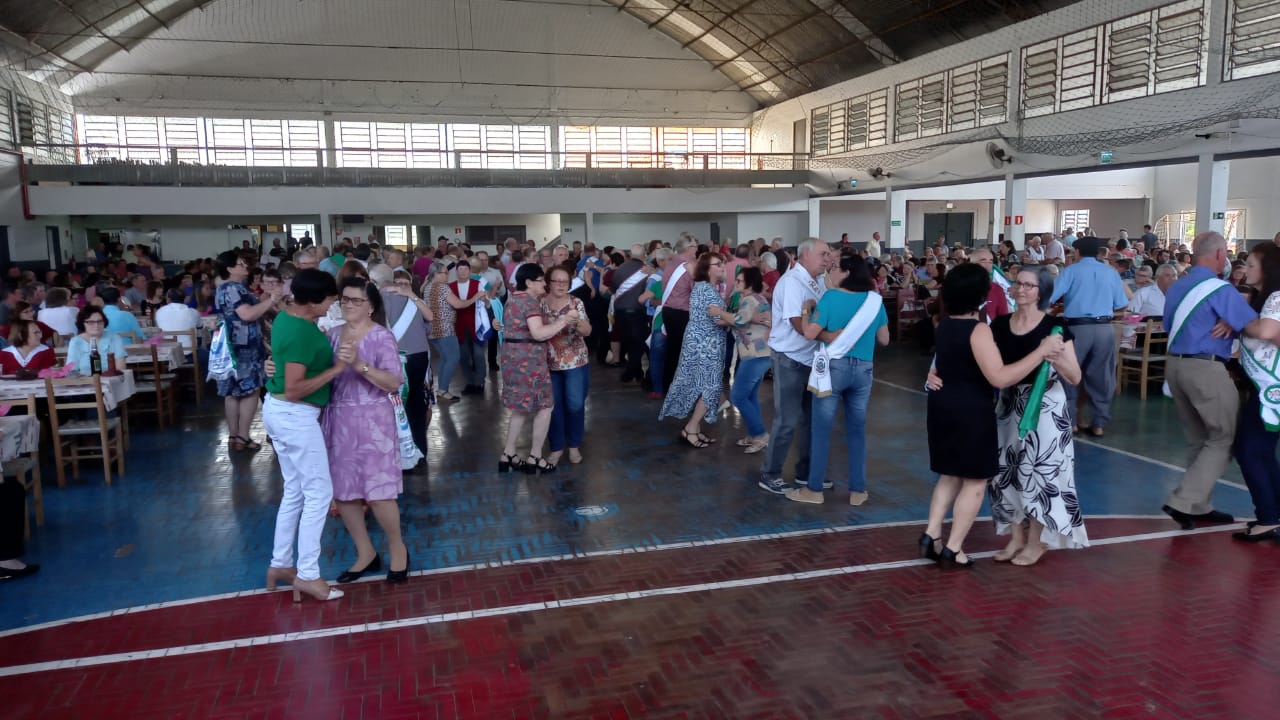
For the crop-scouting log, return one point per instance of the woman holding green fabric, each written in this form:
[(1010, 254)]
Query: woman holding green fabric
[(298, 390), (1033, 495)]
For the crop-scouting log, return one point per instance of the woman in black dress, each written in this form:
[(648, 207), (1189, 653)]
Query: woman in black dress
[(962, 414)]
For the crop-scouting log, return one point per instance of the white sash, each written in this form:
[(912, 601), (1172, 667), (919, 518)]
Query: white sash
[(1192, 300), (1261, 368), (667, 288), (820, 373), (405, 320)]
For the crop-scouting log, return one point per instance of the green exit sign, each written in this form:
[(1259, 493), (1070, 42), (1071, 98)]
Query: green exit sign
[(1105, 157), (895, 223), (1219, 216)]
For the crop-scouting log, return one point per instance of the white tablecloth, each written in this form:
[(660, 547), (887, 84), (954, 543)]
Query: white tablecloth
[(170, 353), (115, 390), (19, 435)]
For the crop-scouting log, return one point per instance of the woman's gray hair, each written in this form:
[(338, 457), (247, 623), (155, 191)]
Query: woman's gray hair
[(769, 260), (1045, 278)]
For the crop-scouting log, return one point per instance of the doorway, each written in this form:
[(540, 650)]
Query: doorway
[(956, 226), (53, 236)]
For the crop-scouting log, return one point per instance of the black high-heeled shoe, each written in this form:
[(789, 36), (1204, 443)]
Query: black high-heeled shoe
[(538, 466), (399, 577), (947, 560), (507, 463), (351, 576), (927, 550)]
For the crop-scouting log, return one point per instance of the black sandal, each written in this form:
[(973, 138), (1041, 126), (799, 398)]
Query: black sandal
[(507, 463), (250, 444), (927, 549), (694, 439), (538, 466), (947, 560), (705, 439)]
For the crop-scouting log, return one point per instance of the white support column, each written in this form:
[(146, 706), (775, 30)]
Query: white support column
[(325, 236), (1211, 193), (1015, 210), (556, 161), (815, 220), (590, 228), (895, 219), (330, 144)]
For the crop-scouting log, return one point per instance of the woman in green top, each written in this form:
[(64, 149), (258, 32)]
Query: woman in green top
[(304, 364)]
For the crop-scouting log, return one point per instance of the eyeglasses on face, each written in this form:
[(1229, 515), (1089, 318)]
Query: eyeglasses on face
[(1026, 285), (95, 322), (351, 300)]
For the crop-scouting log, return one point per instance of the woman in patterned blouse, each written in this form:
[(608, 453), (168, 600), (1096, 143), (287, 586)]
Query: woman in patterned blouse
[(567, 359)]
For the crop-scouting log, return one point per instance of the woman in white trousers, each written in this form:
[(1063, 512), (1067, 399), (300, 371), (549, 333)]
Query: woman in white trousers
[(304, 363)]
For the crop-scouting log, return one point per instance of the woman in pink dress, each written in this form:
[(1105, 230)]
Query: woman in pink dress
[(360, 429)]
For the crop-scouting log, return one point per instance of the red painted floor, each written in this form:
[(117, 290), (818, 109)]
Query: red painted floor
[(1182, 627)]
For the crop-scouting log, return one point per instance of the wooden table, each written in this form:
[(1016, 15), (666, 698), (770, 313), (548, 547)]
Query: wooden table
[(19, 435), (115, 390), (170, 352)]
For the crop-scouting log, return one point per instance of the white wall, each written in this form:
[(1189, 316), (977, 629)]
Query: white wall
[(406, 202), (859, 218), (791, 227), (1107, 217), (624, 230), (27, 239), (1041, 216), (1255, 188)]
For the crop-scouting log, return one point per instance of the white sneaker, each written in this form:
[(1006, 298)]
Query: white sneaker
[(857, 498), (804, 495)]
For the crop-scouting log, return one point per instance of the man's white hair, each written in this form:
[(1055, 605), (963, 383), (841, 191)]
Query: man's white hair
[(769, 260), (808, 246), (381, 274)]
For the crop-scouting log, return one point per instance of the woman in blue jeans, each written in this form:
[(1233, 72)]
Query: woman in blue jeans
[(568, 360), (751, 334), (850, 376), (1258, 428)]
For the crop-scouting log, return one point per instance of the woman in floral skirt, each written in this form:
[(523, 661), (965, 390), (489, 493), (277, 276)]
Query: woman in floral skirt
[(526, 380)]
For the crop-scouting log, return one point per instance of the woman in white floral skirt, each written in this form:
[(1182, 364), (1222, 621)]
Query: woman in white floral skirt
[(1033, 498)]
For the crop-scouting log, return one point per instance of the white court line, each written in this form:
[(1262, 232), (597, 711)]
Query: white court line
[(443, 618), (1091, 443), (522, 561)]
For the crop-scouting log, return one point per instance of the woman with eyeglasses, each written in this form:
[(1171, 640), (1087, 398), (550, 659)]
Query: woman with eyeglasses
[(526, 379), (92, 326), (699, 382), (360, 430), (1033, 492), (241, 314), (568, 360)]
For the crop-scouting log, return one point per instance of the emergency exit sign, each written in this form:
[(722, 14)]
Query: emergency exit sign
[(895, 223), (1219, 216)]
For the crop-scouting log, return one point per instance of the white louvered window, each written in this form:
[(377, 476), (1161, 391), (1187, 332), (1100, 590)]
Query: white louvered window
[(305, 141), (534, 146), (427, 142), (183, 137), (7, 139), (922, 108), (228, 141), (820, 131), (354, 142), (1253, 39)]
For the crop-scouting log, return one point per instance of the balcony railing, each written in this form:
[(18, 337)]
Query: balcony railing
[(240, 166)]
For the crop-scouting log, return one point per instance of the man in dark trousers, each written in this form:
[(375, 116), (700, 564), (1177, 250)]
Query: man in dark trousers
[(629, 315)]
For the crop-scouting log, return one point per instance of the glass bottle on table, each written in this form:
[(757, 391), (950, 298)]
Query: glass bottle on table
[(95, 358)]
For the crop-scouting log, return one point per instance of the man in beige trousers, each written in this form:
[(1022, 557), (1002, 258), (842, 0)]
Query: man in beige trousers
[(1202, 314)]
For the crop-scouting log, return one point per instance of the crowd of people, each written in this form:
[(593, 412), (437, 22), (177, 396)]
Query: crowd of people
[(700, 327)]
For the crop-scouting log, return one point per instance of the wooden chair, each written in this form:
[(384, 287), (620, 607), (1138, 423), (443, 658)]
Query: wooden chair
[(26, 469), (1145, 365), (153, 379), (192, 366), (73, 439)]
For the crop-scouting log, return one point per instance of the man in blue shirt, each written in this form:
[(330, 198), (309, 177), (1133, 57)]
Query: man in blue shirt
[(1092, 291), (1202, 314), (120, 322)]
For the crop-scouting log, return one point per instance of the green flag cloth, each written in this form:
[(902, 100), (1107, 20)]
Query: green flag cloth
[(1031, 416)]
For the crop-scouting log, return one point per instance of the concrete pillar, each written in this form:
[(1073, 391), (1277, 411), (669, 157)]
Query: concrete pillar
[(1211, 193), (589, 228), (330, 144), (1015, 210), (815, 220), (895, 218), (325, 236)]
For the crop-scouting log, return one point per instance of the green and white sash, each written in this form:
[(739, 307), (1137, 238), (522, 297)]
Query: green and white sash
[(1259, 359), (999, 278), (1189, 303), (820, 373)]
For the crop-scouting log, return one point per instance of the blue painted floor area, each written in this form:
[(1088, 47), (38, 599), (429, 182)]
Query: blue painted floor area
[(190, 519)]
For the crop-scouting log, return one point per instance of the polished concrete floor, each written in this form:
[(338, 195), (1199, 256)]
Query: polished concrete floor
[(653, 580)]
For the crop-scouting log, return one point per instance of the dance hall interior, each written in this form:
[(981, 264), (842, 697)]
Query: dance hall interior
[(605, 359)]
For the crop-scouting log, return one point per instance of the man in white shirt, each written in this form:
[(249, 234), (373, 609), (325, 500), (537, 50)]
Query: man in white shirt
[(1069, 237), (1148, 300), (1053, 248), (792, 361), (873, 247), (175, 316)]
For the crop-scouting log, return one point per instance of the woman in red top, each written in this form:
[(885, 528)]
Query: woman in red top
[(22, 310), (25, 350)]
